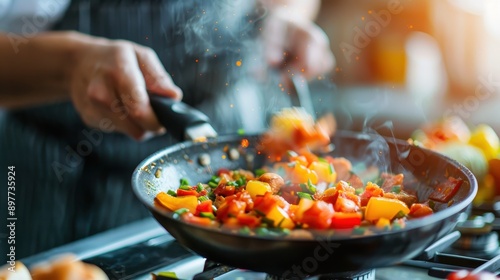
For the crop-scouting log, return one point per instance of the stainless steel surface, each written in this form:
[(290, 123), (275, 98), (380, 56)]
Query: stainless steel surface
[(104, 242)]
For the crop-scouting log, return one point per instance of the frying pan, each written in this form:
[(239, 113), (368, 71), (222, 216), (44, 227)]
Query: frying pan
[(320, 252)]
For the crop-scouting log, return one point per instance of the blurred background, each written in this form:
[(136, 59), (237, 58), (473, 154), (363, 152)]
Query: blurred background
[(411, 62)]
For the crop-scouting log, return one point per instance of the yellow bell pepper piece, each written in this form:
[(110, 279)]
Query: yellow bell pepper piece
[(175, 203), (383, 223), (324, 170), (381, 207), (302, 207), (486, 139), (280, 217), (302, 174), (256, 188)]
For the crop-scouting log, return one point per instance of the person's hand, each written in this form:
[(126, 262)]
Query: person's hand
[(296, 45), (109, 85)]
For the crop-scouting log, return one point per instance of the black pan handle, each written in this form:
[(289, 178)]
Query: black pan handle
[(177, 117)]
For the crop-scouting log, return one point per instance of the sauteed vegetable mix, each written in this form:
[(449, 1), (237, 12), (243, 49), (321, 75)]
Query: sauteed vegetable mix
[(303, 192), (300, 190)]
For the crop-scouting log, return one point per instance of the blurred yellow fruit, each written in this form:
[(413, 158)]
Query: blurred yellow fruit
[(486, 191), (486, 139)]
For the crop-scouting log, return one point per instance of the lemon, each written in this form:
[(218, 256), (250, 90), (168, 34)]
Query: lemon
[(486, 139)]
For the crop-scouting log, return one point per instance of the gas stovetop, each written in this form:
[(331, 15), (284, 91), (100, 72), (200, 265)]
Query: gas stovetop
[(143, 249)]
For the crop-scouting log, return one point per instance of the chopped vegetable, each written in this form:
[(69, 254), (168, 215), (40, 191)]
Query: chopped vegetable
[(381, 207), (445, 191), (256, 188), (174, 203), (319, 215), (305, 194), (324, 170), (346, 220)]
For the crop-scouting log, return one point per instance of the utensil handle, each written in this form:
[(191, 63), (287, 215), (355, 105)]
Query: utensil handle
[(300, 87), (176, 116)]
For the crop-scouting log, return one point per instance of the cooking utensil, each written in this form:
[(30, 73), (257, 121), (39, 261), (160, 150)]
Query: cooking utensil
[(295, 255), (300, 96)]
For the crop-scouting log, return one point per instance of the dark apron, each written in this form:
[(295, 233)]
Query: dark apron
[(73, 181)]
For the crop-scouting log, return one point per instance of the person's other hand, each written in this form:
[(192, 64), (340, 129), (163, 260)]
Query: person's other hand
[(296, 45), (109, 85)]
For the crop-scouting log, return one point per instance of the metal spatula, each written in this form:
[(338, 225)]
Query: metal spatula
[(300, 96)]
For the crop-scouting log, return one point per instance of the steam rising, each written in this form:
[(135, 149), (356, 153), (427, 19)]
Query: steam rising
[(228, 26)]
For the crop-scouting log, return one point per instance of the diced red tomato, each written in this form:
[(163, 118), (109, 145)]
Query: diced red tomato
[(245, 197), (445, 191), (205, 206), (224, 190), (329, 195), (418, 210), (344, 186), (248, 220), (202, 193), (371, 190), (231, 209), (265, 203), (346, 202), (319, 215), (346, 220)]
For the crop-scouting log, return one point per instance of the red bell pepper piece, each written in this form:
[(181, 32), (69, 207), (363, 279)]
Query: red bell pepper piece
[(445, 191), (345, 220)]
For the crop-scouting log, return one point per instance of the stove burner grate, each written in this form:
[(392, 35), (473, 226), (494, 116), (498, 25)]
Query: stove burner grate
[(212, 270)]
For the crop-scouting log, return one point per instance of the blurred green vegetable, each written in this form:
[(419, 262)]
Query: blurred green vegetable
[(468, 155)]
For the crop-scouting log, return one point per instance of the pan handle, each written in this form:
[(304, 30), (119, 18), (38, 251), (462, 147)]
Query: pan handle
[(181, 120)]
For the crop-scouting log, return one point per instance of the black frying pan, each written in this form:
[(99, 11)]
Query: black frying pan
[(324, 252)]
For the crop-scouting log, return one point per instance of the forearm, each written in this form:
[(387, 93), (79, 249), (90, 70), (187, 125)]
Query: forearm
[(36, 70)]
